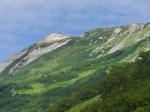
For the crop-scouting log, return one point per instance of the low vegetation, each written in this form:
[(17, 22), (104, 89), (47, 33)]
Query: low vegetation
[(125, 89), (82, 76)]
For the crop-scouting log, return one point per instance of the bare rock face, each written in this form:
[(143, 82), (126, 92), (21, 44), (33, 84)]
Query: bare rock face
[(52, 42), (135, 27), (12, 59), (117, 31), (54, 37)]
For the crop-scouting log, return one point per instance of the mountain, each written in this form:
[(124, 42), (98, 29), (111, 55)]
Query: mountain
[(125, 89), (42, 77), (40, 48)]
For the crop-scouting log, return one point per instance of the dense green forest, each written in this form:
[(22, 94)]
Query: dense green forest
[(125, 89)]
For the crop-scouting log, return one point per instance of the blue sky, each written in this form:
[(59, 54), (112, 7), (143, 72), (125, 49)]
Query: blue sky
[(23, 22)]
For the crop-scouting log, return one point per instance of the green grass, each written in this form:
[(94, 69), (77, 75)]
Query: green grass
[(84, 105), (39, 88), (60, 73)]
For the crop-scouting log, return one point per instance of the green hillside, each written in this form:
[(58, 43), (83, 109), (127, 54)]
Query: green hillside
[(125, 89), (80, 74)]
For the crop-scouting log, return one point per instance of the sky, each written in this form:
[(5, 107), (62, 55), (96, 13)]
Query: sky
[(23, 22)]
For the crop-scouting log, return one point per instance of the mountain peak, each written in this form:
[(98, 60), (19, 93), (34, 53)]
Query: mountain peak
[(135, 27), (54, 37)]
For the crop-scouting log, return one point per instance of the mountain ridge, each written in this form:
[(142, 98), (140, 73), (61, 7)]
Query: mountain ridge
[(76, 64), (52, 39), (55, 38)]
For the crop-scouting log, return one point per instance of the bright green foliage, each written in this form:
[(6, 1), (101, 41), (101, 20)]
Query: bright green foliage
[(126, 88), (67, 79), (85, 104)]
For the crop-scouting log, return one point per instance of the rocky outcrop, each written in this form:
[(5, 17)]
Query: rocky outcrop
[(52, 42), (12, 59), (54, 37)]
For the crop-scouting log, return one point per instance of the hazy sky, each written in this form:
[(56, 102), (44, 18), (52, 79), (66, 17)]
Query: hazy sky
[(23, 22)]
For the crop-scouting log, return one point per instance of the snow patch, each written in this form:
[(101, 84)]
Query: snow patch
[(95, 41), (90, 44), (146, 35), (117, 31), (116, 48), (96, 50), (54, 37), (110, 39), (100, 38), (147, 49)]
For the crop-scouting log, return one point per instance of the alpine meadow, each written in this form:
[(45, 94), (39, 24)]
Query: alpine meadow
[(102, 70)]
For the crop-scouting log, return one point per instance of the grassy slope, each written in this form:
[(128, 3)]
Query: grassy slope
[(125, 89), (84, 105), (58, 74)]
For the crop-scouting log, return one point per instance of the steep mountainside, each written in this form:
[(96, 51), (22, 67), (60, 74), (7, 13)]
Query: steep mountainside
[(125, 89), (41, 77), (40, 48)]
